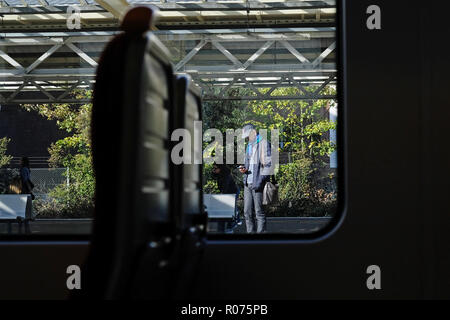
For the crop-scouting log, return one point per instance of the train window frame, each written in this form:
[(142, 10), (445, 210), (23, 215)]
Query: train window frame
[(341, 137), (223, 238)]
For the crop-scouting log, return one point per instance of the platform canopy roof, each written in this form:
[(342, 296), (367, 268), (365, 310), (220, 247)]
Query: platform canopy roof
[(221, 44)]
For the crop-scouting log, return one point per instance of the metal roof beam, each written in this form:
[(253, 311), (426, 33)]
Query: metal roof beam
[(116, 7), (272, 98), (228, 54), (258, 53), (324, 54), (76, 73), (244, 37), (48, 9), (170, 9), (250, 5), (10, 60), (322, 32), (260, 68), (190, 55), (82, 55), (8, 42), (294, 52)]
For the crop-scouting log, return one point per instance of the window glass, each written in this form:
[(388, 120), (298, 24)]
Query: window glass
[(278, 83), (268, 68)]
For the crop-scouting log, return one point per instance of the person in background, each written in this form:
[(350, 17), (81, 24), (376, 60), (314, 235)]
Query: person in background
[(226, 185), (256, 172), (25, 176)]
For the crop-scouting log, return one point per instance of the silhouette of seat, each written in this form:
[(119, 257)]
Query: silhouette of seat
[(139, 236)]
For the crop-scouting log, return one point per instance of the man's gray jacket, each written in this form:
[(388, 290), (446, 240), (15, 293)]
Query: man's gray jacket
[(262, 167)]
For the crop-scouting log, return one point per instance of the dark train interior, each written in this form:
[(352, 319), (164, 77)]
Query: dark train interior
[(224, 150)]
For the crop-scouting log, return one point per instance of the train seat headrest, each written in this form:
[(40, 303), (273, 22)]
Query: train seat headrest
[(139, 19)]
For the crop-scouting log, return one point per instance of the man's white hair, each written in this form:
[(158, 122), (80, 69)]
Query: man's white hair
[(247, 129)]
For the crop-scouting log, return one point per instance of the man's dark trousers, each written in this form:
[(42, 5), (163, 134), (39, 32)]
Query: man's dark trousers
[(253, 202)]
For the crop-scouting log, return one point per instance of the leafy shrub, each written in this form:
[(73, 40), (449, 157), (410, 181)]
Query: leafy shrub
[(6, 175), (304, 190), (209, 183), (58, 208), (294, 179), (4, 159), (72, 152)]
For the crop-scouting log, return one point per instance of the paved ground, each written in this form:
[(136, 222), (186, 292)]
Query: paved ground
[(285, 225), (83, 226), (62, 226)]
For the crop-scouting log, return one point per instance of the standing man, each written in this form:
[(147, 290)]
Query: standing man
[(256, 173)]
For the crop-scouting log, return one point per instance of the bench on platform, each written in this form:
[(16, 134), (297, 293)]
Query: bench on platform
[(221, 208), (15, 208)]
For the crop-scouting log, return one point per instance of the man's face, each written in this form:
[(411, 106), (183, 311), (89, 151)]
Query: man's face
[(252, 135)]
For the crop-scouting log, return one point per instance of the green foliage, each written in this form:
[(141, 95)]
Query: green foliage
[(304, 189), (72, 152), (6, 175), (224, 114), (81, 181), (303, 124), (72, 119), (210, 185), (4, 159), (62, 205), (294, 179)]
